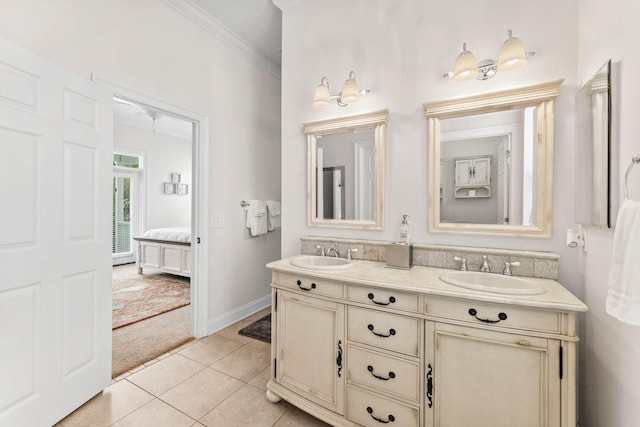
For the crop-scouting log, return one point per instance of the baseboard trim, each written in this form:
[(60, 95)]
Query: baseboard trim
[(233, 316)]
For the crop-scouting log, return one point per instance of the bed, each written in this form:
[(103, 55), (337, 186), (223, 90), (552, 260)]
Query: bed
[(165, 249)]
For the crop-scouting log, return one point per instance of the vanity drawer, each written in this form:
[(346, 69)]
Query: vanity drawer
[(495, 314), (386, 330), (377, 297), (371, 410), (388, 374), (310, 285)]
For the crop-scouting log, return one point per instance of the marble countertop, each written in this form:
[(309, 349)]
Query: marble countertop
[(426, 281)]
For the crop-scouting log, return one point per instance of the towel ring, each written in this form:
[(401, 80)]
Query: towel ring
[(244, 204), (634, 161)]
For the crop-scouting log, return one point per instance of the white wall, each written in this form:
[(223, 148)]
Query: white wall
[(148, 46), (399, 50), (164, 154), (610, 350)]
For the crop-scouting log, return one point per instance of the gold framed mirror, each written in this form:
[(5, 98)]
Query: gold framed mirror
[(491, 162), (345, 171)]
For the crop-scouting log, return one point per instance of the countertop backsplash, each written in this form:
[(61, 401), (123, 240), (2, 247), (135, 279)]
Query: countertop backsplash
[(542, 265)]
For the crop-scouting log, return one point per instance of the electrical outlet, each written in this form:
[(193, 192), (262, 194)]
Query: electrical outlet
[(217, 221)]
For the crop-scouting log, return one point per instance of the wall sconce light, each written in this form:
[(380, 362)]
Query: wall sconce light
[(512, 55), (350, 93)]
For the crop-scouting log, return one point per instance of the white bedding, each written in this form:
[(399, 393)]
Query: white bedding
[(173, 234)]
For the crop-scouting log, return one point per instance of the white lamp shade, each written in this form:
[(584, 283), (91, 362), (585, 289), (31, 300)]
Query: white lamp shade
[(350, 92), (321, 97), (512, 55), (466, 67)]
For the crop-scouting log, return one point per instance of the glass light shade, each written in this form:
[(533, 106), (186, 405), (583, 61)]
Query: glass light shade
[(321, 97), (350, 92), (512, 55), (466, 67)]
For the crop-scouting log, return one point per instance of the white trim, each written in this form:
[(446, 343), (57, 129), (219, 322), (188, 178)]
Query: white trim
[(200, 203), (286, 4), (218, 29), (229, 318), (126, 121)]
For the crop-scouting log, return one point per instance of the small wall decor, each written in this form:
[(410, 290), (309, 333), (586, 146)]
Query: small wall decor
[(175, 187), (169, 188)]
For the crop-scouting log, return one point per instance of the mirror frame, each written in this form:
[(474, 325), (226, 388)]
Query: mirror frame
[(376, 120), (542, 96)]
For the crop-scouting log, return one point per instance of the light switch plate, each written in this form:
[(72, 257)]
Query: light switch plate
[(217, 221)]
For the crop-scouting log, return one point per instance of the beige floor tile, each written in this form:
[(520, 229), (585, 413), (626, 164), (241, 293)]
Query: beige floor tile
[(202, 392), (210, 349), (231, 332), (259, 344), (262, 379), (157, 414), (247, 407), (115, 402), (294, 417), (166, 374), (244, 363)]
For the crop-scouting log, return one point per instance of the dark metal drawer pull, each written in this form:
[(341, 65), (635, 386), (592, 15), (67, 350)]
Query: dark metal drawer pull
[(501, 316), (391, 332), (313, 286), (391, 374), (430, 385), (389, 419), (339, 358), (391, 300)]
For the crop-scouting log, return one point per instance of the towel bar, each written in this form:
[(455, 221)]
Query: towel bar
[(244, 204), (634, 161)]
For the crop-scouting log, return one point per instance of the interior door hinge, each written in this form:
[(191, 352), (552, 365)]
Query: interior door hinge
[(198, 240), (561, 362)]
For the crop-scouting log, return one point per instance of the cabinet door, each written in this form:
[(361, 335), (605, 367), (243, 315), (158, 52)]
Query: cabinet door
[(463, 172), (310, 348), (481, 172), (483, 378)]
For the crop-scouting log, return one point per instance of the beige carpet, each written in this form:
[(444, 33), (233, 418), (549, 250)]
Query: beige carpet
[(140, 342)]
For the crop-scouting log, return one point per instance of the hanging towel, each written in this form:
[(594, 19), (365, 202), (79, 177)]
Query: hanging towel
[(623, 299), (257, 217), (273, 215)]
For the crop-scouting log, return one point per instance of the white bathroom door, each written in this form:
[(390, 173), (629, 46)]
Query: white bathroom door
[(55, 261)]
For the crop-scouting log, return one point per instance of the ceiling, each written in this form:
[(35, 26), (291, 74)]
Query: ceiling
[(254, 26)]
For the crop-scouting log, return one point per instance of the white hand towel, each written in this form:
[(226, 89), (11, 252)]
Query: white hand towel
[(623, 299), (273, 210), (257, 217)]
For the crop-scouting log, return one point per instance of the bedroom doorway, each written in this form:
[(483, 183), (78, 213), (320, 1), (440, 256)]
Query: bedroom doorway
[(197, 189)]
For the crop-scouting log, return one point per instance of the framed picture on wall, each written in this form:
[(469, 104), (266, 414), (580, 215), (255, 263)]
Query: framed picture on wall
[(183, 189), (175, 178), (169, 188)]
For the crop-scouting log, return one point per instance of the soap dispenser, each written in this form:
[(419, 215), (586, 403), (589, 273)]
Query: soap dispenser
[(405, 233)]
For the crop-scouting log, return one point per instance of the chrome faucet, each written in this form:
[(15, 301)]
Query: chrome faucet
[(351, 251), (335, 251), (322, 250), (485, 264), (463, 262), (507, 267)]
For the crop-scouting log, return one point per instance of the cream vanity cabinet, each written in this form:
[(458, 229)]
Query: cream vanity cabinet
[(352, 354), (473, 172)]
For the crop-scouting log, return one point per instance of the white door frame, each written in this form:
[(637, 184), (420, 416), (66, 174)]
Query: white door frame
[(200, 198)]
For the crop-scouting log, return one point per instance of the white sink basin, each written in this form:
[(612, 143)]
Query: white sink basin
[(314, 262), (495, 283)]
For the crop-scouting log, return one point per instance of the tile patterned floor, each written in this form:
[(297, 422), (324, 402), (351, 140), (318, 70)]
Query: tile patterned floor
[(215, 381)]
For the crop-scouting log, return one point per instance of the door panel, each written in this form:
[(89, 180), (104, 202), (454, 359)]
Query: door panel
[(55, 258)]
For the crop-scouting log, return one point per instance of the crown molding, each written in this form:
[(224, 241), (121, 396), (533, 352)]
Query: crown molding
[(286, 4), (218, 29)]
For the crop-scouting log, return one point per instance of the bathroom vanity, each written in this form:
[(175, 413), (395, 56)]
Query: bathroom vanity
[(361, 344)]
